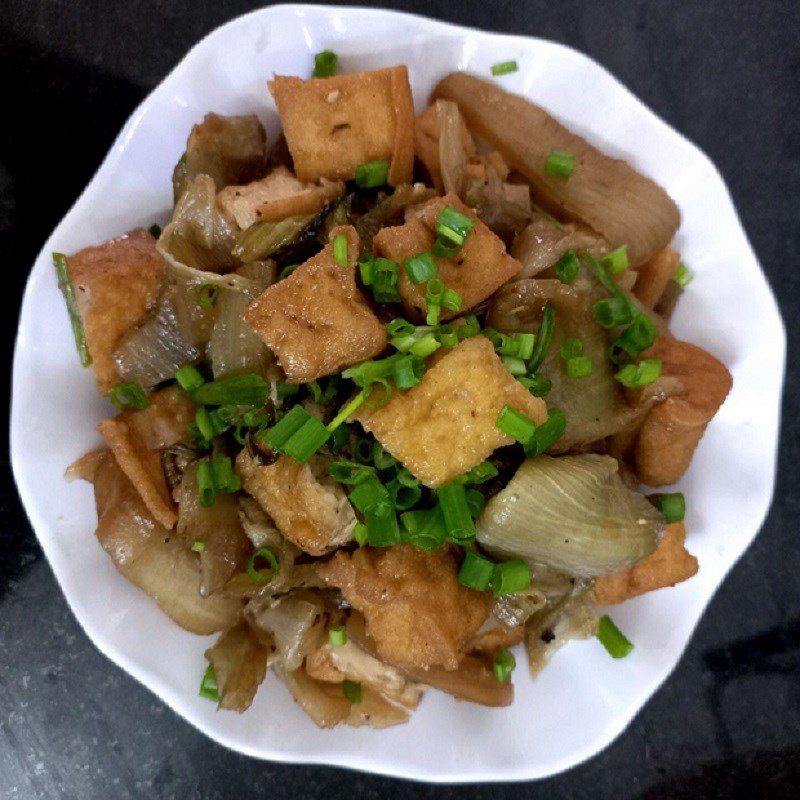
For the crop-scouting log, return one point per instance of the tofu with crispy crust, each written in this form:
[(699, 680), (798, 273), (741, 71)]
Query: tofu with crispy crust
[(309, 509), (445, 425), (115, 285), (416, 610), (478, 270), (334, 124), (316, 321)]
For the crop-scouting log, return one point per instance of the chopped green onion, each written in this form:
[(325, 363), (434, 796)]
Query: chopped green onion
[(287, 271), (368, 494), (400, 327), (548, 433), (75, 319), (571, 347), (559, 163), (444, 248), (368, 372), (567, 267), (644, 373), (470, 327), (340, 250), (616, 261), (323, 396), (425, 346), (612, 312), (372, 174), (235, 390), (481, 473), (504, 67), (503, 664), (476, 572), (516, 425), (349, 472), (510, 577), (433, 313), (366, 268), (189, 378), (307, 440), (226, 481), (337, 636), (209, 423), (544, 338), (475, 502), (340, 437), (208, 685), (516, 366), (382, 527), (384, 280), (457, 519), (420, 268), (537, 385), (579, 366), (404, 497), (451, 300), (453, 226), (638, 336), (347, 409), (382, 459), (154, 230), (612, 638), (325, 64), (352, 691), (279, 434), (128, 395), (434, 290), (262, 576), (198, 546), (205, 484), (284, 389), (207, 295), (360, 534), (672, 505), (408, 370), (447, 336), (683, 275), (424, 529)]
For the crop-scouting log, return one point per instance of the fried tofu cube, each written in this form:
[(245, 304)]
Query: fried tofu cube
[(445, 425), (309, 509), (416, 610), (316, 321), (653, 276), (672, 430), (276, 197), (668, 564), (136, 439), (115, 285), (334, 124), (480, 268)]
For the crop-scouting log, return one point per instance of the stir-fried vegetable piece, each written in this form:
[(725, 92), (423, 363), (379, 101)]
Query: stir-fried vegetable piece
[(612, 638), (65, 284)]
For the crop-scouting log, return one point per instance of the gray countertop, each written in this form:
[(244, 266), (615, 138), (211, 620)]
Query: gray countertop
[(727, 722)]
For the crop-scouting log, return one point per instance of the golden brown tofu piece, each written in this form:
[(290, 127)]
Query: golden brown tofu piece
[(416, 611), (316, 321), (669, 564), (480, 268), (115, 285), (334, 124), (672, 430), (445, 424), (137, 439), (276, 197), (309, 509), (654, 275)]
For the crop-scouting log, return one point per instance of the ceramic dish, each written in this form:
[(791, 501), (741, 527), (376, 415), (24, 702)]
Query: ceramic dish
[(584, 699)]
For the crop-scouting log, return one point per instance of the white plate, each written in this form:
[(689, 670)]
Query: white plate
[(584, 698)]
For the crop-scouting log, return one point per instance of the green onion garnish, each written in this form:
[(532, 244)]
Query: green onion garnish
[(453, 226), (382, 527), (420, 268), (325, 64), (128, 395), (475, 502), (372, 174), (284, 389), (683, 275), (307, 440), (548, 433), (340, 250), (672, 505), (189, 378), (235, 390), (209, 423), (404, 496), (349, 472), (510, 577), (198, 546), (207, 295), (384, 280), (516, 366), (559, 163), (504, 67), (352, 691), (481, 473), (347, 409), (208, 685), (457, 519), (638, 336), (567, 267), (476, 572), (368, 494), (424, 529), (260, 575), (425, 346), (215, 476), (75, 321), (503, 664), (407, 373), (644, 373), (571, 347), (360, 534), (516, 425), (337, 636), (612, 312), (451, 300), (537, 385), (366, 268), (291, 422), (616, 261), (543, 339), (287, 271), (470, 327), (579, 366), (382, 459), (612, 638)]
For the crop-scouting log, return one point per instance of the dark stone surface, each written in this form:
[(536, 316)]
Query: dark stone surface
[(727, 723)]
